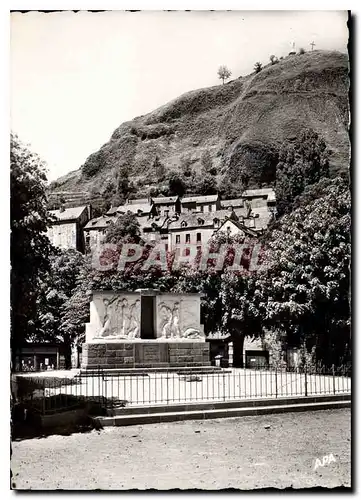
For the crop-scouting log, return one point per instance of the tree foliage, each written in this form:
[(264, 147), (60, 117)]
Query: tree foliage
[(176, 184), (30, 246), (126, 227), (273, 59), (257, 67), (224, 73), (300, 164), (56, 299), (305, 283)]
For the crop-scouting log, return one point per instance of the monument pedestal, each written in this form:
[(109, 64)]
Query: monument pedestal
[(145, 354), (144, 329)]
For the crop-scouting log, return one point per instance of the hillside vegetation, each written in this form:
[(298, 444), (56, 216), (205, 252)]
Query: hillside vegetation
[(242, 124)]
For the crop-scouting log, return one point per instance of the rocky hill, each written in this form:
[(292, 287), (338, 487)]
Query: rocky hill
[(242, 124)]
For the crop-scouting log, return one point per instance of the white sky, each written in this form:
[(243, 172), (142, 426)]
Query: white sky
[(75, 77)]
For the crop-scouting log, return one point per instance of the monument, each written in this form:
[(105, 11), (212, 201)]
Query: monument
[(144, 329)]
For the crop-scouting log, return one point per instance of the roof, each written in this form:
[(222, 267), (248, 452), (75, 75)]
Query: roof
[(200, 199), (101, 222), (237, 202), (157, 222), (193, 219), (241, 212), (138, 201), (134, 208), (72, 213), (165, 199), (241, 227), (112, 211), (249, 193)]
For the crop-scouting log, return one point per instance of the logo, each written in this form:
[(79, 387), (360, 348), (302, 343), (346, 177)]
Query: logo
[(234, 257), (326, 460)]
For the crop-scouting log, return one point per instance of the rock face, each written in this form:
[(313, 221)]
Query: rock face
[(242, 124)]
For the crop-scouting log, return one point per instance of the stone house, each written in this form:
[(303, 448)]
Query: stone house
[(236, 227), (66, 230), (167, 205), (196, 228), (209, 203), (263, 197), (96, 228)]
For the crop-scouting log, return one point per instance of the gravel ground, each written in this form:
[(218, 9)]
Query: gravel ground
[(262, 451)]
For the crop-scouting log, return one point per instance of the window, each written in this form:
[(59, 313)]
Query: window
[(177, 238), (201, 208), (199, 237), (209, 208), (188, 238)]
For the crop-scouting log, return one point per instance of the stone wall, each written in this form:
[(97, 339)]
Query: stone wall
[(145, 354), (63, 235)]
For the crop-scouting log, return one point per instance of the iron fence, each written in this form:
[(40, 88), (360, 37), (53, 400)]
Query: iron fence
[(48, 395)]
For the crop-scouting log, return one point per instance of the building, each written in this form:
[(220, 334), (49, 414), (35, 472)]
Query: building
[(66, 230), (144, 209), (233, 204), (263, 197), (96, 228), (38, 356), (196, 228), (196, 203), (236, 227), (167, 205), (155, 229)]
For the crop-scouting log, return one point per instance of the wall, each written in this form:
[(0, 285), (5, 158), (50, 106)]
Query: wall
[(233, 230), (63, 235), (206, 233), (95, 237)]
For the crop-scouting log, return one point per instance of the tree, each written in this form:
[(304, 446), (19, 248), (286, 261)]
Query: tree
[(122, 190), (30, 246), (224, 73), (301, 164), (206, 184), (56, 291), (258, 67), (273, 59), (176, 184), (304, 286), (301, 51), (229, 189), (126, 228)]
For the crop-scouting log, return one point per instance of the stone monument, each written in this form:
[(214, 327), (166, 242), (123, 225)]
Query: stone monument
[(144, 329)]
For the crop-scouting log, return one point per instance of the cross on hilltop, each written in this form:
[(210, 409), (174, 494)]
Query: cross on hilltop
[(312, 45)]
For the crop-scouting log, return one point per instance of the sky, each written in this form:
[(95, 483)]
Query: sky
[(75, 77)]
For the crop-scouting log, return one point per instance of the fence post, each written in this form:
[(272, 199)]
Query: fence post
[(44, 396), (305, 380), (276, 383), (333, 378)]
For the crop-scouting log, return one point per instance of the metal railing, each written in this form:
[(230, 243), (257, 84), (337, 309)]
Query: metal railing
[(48, 395)]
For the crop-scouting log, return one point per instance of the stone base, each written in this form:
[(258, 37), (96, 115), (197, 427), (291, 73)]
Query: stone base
[(145, 354)]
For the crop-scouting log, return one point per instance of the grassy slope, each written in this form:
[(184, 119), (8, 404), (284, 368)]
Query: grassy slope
[(241, 123)]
